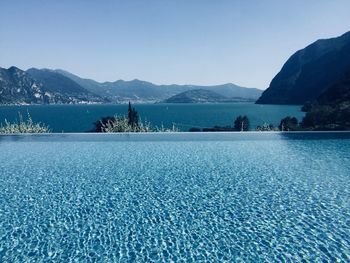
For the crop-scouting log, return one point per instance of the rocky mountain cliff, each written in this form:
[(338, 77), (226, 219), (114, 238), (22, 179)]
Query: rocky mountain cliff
[(17, 87), (309, 72), (39, 87)]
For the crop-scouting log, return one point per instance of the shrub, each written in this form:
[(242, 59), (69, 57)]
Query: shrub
[(266, 127), (98, 125), (22, 126), (122, 124), (289, 124), (131, 123)]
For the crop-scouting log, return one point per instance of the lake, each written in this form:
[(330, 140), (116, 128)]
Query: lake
[(79, 118), (180, 197)]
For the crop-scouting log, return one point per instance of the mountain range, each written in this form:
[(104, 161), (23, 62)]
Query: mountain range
[(310, 72), (203, 96), (46, 86), (140, 91)]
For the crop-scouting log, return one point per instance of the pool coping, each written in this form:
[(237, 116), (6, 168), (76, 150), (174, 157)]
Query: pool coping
[(181, 132), (175, 136)]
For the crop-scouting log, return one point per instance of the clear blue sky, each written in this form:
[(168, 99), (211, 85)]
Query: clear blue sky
[(162, 41)]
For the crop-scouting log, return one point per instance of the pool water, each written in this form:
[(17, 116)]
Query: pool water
[(179, 197)]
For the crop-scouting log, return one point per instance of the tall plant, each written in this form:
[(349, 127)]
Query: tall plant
[(23, 126)]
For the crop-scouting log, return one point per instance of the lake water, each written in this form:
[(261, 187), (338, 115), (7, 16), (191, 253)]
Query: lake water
[(229, 197), (79, 118)]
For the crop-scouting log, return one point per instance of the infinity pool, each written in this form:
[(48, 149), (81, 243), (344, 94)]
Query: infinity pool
[(249, 197)]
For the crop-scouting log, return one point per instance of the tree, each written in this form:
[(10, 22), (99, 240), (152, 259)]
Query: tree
[(133, 117), (241, 123), (289, 124)]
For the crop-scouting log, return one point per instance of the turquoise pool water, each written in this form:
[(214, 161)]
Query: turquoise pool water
[(178, 197)]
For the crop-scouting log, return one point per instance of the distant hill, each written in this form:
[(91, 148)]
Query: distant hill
[(309, 72), (143, 91), (231, 91), (121, 91), (200, 96)]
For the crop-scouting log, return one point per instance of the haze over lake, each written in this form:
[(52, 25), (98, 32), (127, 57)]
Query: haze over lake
[(80, 118)]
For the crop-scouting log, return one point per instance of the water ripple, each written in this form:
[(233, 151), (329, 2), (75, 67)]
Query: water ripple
[(241, 201)]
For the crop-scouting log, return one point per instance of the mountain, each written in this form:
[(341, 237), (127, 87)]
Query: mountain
[(200, 96), (337, 93), (142, 91), (309, 72), (17, 87), (41, 87), (331, 110), (56, 83), (88, 84)]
